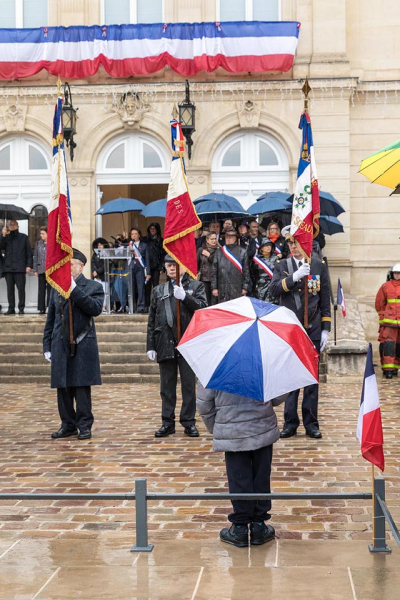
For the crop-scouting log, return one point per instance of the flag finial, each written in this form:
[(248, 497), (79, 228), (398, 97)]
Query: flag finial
[(306, 89)]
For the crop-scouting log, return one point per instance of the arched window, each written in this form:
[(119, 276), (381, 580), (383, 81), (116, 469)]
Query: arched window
[(248, 163), (23, 155), (37, 219)]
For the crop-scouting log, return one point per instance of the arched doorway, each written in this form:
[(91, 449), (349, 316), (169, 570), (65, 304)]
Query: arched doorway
[(25, 176), (131, 165), (249, 163)]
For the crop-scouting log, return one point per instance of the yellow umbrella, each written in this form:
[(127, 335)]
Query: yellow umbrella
[(383, 167)]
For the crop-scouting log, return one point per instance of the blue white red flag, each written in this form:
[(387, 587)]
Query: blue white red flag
[(232, 258), (306, 208), (134, 50), (59, 224), (263, 266), (369, 428), (181, 219), (340, 298)]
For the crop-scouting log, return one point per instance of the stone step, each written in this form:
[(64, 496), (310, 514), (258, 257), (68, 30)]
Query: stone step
[(45, 379), (107, 347), (36, 357), (38, 327), (108, 369), (125, 336)]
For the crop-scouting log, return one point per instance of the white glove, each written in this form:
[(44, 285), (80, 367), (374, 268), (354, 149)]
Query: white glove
[(152, 354), (47, 356), (179, 292), (324, 339), (73, 284), (301, 272)]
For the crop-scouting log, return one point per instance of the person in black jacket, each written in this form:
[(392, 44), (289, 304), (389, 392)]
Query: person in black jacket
[(97, 263), (162, 339), (156, 255), (74, 374), (230, 274), (17, 262)]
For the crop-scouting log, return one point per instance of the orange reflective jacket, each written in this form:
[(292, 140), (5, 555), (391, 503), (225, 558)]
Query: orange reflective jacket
[(387, 303)]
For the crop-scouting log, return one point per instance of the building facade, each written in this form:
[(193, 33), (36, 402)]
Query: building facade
[(247, 140)]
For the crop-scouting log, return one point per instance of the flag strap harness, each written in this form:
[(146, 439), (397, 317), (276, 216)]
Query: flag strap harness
[(262, 265), (230, 256)]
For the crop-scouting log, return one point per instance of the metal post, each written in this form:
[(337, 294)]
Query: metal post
[(142, 544), (379, 540), (334, 322)]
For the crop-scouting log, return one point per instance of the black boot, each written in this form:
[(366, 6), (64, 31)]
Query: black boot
[(388, 374), (237, 535), (260, 533)]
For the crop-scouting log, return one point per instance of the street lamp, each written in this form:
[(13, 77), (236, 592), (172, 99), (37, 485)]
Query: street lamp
[(69, 120), (187, 118)]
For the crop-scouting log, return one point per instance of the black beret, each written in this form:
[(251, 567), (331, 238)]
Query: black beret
[(78, 255)]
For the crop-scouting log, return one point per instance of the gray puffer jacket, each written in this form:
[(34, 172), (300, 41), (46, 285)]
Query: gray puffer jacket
[(237, 423)]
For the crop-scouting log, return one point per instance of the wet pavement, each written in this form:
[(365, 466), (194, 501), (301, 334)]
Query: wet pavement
[(80, 549)]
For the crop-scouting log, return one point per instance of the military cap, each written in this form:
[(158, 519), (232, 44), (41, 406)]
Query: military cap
[(169, 259), (78, 255)]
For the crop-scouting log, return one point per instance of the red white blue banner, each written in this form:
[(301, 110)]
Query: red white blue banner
[(230, 256), (306, 209), (59, 224), (131, 50), (340, 298), (181, 219), (263, 266)]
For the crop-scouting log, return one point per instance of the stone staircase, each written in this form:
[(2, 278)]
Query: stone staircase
[(122, 346)]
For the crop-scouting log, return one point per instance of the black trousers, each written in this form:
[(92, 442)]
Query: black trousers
[(168, 380), (19, 280), (43, 292), (309, 406), (83, 416), (155, 280), (249, 473), (138, 285)]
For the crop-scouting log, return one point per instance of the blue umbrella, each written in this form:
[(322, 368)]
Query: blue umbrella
[(273, 202), (157, 208), (330, 225), (120, 205), (218, 197), (218, 206), (329, 205)]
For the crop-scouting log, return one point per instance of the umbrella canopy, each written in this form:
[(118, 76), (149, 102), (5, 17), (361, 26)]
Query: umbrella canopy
[(250, 348), (217, 197), (120, 205), (330, 225), (329, 205), (158, 208), (383, 167), (221, 206), (10, 211), (271, 202)]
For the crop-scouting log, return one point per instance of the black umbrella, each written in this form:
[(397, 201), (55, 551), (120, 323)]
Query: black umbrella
[(10, 211)]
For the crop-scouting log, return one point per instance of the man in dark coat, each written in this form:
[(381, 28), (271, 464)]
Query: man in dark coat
[(288, 285), (17, 262), (230, 270), (156, 255), (162, 340), (39, 268), (73, 375)]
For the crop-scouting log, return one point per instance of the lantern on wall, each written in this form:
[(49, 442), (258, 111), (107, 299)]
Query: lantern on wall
[(69, 120), (187, 111)]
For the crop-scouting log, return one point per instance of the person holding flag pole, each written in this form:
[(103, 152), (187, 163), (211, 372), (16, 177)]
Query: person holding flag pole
[(69, 339), (302, 284)]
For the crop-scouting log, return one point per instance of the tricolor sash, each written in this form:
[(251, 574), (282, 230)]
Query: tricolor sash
[(230, 256), (263, 266), (257, 244), (278, 249), (138, 256)]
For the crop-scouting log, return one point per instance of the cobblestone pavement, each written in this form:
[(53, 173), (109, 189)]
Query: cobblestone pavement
[(123, 447)]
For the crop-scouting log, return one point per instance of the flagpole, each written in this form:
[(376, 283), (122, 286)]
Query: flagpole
[(373, 503), (306, 90), (178, 306)]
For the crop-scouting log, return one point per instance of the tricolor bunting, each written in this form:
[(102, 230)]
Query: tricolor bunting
[(232, 258), (306, 210), (369, 428), (59, 225), (181, 219), (133, 50), (340, 298)]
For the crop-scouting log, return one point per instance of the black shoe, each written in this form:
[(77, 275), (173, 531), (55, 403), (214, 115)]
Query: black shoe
[(10, 312), (192, 431), (21, 312), (314, 433), (63, 433), (237, 535), (260, 533), (164, 431), (42, 312), (388, 374), (287, 432), (84, 434)]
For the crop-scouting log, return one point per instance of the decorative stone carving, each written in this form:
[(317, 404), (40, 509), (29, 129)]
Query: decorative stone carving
[(83, 182), (14, 117), (131, 110), (249, 114)]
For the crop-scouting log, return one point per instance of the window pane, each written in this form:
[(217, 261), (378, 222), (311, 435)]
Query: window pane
[(265, 10), (151, 159), (233, 10), (37, 219), (116, 12), (35, 13), (116, 160), (232, 156), (267, 155), (149, 11), (36, 159), (5, 163), (7, 12)]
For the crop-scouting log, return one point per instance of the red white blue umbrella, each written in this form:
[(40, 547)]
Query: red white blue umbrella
[(250, 348)]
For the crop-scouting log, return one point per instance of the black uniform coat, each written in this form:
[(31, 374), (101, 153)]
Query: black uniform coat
[(226, 278), (17, 252), (319, 306), (84, 368), (160, 336)]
